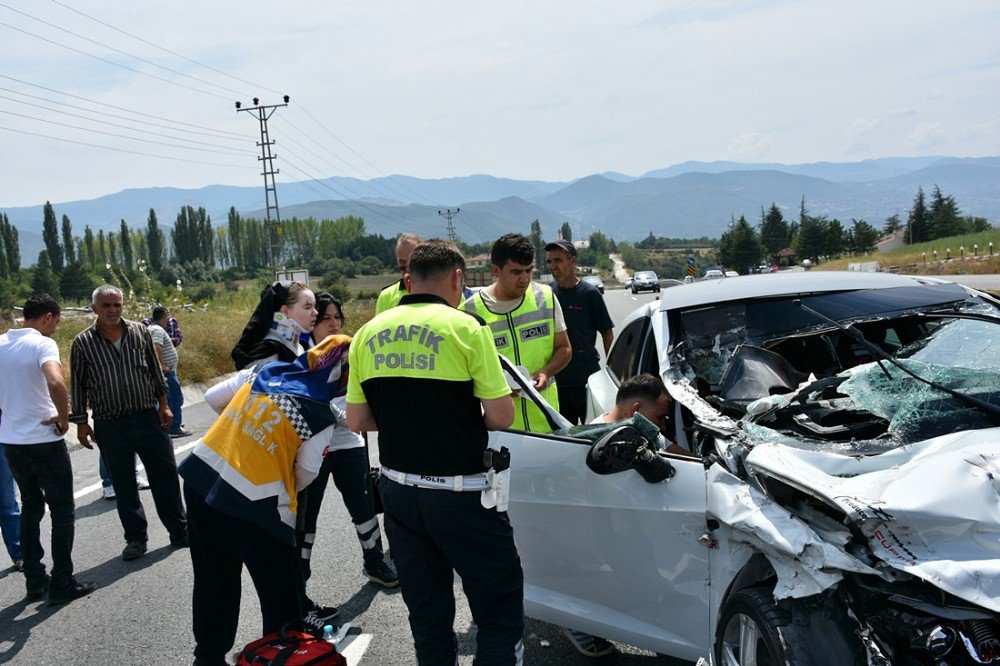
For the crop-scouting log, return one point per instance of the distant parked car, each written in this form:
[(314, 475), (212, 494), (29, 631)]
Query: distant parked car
[(732, 274), (714, 274), (628, 282), (645, 281), (596, 281)]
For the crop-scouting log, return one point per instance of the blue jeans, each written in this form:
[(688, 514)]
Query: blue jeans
[(10, 512), (103, 471), (175, 400)]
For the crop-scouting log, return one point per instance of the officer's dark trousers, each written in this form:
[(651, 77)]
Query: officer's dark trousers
[(433, 532), (573, 403), (220, 545), (120, 441)]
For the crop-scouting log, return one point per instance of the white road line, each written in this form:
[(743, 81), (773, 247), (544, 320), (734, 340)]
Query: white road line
[(97, 486), (353, 647)]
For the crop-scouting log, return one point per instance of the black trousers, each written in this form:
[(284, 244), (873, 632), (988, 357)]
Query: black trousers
[(348, 468), (120, 440), (435, 532), (573, 403), (220, 546), (44, 476)]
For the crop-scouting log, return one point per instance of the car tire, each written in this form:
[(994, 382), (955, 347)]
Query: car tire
[(751, 617)]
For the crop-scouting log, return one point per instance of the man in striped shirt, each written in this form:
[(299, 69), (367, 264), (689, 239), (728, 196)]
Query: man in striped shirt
[(115, 372)]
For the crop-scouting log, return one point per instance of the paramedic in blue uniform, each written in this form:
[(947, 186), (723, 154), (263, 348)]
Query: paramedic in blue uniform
[(426, 376)]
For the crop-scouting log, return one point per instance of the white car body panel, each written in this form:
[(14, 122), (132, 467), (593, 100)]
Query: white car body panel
[(611, 555)]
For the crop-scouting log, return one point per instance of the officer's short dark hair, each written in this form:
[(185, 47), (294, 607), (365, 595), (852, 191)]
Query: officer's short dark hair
[(39, 305), (646, 386), (434, 259), (159, 312), (512, 247)]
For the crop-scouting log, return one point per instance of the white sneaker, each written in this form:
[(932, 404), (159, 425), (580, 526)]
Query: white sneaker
[(141, 482), (109, 493)]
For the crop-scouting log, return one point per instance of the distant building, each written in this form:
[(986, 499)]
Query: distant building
[(581, 244), (478, 261)]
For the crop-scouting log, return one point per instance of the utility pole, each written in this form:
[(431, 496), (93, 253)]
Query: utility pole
[(448, 214), (272, 227)]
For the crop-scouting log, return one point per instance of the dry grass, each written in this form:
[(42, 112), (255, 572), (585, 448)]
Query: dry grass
[(920, 257), (209, 335)]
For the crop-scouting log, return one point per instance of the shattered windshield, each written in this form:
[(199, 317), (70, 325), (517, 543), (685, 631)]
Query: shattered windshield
[(871, 409)]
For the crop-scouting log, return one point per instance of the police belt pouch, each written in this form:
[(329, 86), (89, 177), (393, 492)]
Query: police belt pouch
[(290, 647), (371, 490), (497, 493)]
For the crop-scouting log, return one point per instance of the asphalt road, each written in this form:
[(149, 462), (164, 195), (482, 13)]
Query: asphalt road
[(141, 611)]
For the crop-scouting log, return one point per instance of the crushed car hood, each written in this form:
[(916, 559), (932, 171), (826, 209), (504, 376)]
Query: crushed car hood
[(931, 509)]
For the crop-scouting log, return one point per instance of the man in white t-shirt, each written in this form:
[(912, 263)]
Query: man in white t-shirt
[(35, 418), (167, 354)]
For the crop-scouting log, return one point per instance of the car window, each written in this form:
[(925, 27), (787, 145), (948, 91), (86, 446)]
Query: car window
[(624, 355), (649, 361)]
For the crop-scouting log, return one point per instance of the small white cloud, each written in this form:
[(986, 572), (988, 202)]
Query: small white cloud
[(749, 146), (904, 111), (859, 134), (934, 93), (925, 135)]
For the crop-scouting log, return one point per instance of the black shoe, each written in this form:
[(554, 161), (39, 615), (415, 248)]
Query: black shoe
[(37, 587), (134, 550), (75, 590), (181, 540), (317, 617), (382, 573), (19, 564), (181, 433)]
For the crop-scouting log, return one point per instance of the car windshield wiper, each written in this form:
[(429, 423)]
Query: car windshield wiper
[(879, 353)]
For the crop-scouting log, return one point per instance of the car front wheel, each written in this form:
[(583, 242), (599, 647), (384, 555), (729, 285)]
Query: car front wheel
[(755, 631)]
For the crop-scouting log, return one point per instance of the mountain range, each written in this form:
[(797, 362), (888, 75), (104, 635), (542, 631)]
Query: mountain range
[(689, 199)]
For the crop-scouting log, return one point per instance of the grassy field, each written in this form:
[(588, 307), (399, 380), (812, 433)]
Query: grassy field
[(209, 334), (920, 257)]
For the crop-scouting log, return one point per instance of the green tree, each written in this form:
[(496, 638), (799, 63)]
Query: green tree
[(125, 243), (740, 247), (155, 242), (892, 224), (566, 231), (863, 237), (774, 232), (89, 251), (67, 236), (945, 218), (11, 245), (102, 251), (834, 239), (538, 242), (50, 234), (42, 278), (76, 282), (235, 238), (975, 224), (600, 243), (812, 238), (918, 221)]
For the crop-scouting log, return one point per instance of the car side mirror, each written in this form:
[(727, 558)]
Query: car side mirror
[(624, 448)]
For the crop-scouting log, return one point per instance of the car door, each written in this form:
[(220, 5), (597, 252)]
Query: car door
[(611, 555)]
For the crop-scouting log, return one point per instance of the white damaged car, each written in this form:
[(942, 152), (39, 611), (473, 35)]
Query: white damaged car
[(845, 504)]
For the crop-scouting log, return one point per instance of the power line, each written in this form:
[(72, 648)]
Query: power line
[(124, 150), (119, 51), (115, 115), (241, 137), (164, 49), (111, 62), (228, 149), (120, 136)]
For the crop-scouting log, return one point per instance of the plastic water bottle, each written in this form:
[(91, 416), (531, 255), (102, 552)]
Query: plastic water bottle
[(328, 632)]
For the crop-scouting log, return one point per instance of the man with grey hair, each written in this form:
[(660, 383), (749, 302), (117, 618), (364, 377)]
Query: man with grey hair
[(390, 296), (115, 372)]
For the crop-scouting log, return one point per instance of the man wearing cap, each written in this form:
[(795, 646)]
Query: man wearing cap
[(586, 315), (527, 325)]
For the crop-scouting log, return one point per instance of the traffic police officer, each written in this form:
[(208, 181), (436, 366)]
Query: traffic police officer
[(527, 325), (389, 296), (427, 377)]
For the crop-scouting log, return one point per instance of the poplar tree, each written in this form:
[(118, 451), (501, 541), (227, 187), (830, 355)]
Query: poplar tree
[(11, 245), (50, 234), (154, 242), (125, 243), (67, 236)]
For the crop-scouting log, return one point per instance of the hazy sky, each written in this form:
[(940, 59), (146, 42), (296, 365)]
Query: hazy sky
[(548, 90)]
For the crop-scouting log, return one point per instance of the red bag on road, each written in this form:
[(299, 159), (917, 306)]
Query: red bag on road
[(290, 648)]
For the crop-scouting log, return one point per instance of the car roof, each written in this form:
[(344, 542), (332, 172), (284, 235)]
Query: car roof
[(707, 292)]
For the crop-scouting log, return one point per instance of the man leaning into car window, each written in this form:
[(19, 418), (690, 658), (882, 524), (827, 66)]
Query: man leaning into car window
[(647, 395)]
